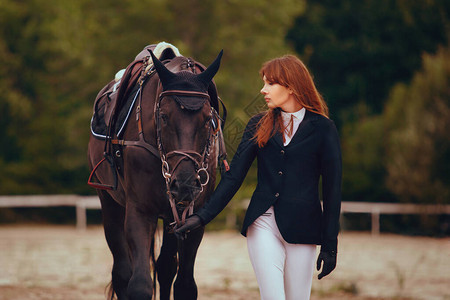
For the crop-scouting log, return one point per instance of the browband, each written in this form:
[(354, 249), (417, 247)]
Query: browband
[(184, 93)]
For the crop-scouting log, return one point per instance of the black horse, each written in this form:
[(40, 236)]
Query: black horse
[(164, 166)]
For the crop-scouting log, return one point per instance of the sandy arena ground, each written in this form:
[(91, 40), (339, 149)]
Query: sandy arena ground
[(59, 262)]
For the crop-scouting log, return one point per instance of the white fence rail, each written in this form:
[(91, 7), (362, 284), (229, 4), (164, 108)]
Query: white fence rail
[(375, 209), (82, 203)]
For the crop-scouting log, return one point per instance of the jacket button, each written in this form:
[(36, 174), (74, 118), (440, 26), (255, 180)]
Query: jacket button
[(280, 173), (282, 152), (277, 195)]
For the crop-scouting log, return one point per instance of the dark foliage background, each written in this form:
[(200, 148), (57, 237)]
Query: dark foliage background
[(382, 66)]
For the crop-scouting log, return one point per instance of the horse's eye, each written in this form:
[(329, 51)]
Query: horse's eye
[(207, 120)]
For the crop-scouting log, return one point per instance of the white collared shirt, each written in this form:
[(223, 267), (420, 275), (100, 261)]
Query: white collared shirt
[(297, 118)]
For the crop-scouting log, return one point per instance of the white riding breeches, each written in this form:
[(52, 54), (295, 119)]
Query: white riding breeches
[(284, 271)]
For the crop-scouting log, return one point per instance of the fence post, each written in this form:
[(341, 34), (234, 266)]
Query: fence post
[(81, 216), (375, 214)]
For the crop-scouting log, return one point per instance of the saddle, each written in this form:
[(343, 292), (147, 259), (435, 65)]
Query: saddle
[(114, 103)]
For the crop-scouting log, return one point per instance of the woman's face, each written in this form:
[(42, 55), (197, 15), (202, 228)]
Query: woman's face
[(277, 95)]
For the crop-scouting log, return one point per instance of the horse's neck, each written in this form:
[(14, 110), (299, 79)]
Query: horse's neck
[(147, 108)]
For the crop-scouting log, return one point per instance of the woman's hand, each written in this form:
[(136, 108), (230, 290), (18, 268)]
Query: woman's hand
[(191, 223), (329, 259)]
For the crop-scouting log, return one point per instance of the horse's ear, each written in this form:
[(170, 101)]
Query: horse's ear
[(207, 75), (164, 74)]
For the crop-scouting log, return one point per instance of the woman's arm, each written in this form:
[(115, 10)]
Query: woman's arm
[(331, 169), (331, 165), (232, 180), (229, 183)]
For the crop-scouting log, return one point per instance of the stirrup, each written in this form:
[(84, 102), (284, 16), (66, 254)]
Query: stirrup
[(99, 185)]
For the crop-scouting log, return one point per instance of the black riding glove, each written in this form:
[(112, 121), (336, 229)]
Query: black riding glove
[(191, 223), (329, 259)]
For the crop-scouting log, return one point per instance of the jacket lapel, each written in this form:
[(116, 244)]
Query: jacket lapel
[(278, 138), (304, 129)]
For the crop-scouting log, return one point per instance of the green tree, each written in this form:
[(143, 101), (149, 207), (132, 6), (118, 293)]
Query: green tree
[(417, 117), (403, 154), (56, 56), (358, 50), (363, 156)]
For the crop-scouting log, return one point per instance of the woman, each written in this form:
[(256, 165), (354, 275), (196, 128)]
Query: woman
[(295, 144)]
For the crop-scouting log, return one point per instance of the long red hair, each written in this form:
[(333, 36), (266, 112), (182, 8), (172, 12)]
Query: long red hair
[(290, 72)]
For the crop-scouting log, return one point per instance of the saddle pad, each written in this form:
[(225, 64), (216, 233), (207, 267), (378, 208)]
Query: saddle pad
[(117, 93), (99, 127)]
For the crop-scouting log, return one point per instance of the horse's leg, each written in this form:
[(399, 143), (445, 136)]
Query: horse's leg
[(185, 287), (113, 223), (166, 265), (140, 229)]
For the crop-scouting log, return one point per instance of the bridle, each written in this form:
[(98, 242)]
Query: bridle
[(200, 160)]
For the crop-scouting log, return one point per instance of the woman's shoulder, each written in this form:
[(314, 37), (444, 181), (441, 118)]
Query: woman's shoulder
[(321, 121)]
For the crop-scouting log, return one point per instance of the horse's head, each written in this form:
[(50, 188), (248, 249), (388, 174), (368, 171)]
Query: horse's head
[(185, 123)]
